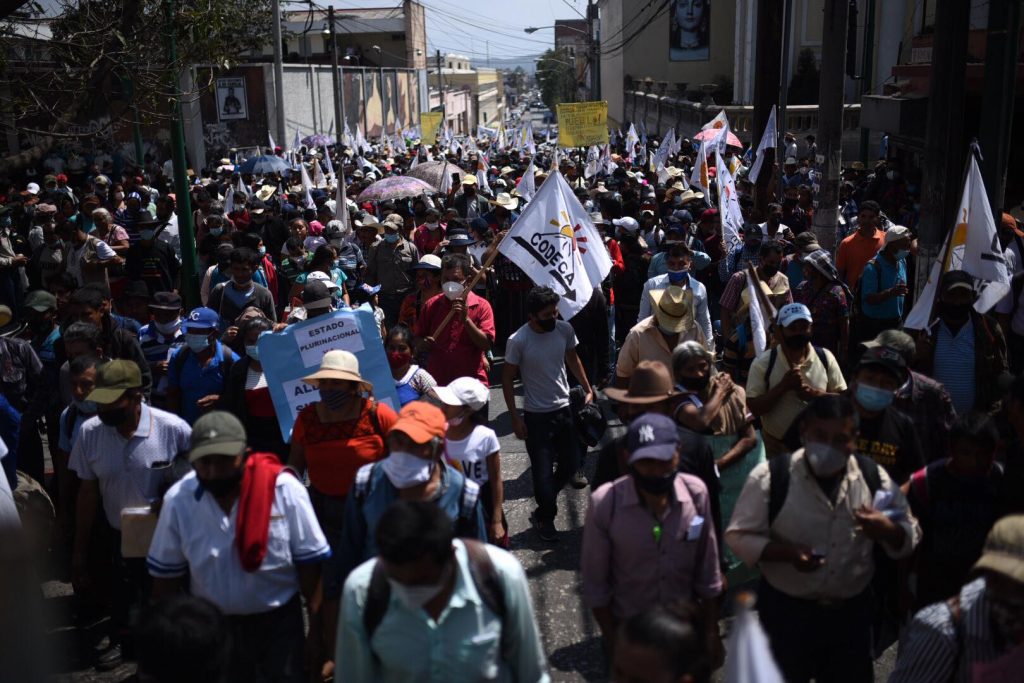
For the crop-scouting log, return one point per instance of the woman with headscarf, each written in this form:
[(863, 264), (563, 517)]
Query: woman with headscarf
[(827, 296)]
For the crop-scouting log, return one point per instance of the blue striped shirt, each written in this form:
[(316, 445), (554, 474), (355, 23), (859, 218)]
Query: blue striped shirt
[(954, 364)]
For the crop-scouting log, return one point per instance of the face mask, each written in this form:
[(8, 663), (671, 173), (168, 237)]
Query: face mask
[(695, 383), (147, 235), (168, 329), (769, 271), (197, 343), (415, 597), (335, 398), (453, 290), (405, 470), (547, 325), (1007, 617), (656, 486), (956, 311), (667, 331), (262, 251), (87, 407), (399, 359), (825, 461), (892, 175), (456, 421), (902, 254), (797, 341), (216, 232), (872, 398), (391, 237), (676, 276), (253, 352), (113, 418), (432, 226), (222, 486)]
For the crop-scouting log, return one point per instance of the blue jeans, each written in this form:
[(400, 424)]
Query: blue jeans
[(554, 451)]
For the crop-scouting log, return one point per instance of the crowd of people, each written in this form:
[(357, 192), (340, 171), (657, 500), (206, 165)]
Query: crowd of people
[(864, 480)]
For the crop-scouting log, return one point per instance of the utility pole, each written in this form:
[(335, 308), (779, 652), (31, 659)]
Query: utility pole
[(867, 71), (998, 98), (782, 125), (440, 88), (830, 119), (333, 36), (183, 204), (275, 25), (944, 145), (766, 89)]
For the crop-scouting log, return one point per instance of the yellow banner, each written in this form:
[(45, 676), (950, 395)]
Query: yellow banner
[(430, 121), (581, 124)]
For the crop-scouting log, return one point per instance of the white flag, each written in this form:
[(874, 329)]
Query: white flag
[(972, 246), (757, 325), (720, 120), (346, 136), (750, 658), (307, 185), (296, 141), (329, 163), (631, 140), (557, 246), (446, 180), (728, 205), (593, 155), (415, 158), (340, 200), (241, 187), (770, 138), (319, 180), (699, 177), (273, 146), (482, 163), (525, 186)]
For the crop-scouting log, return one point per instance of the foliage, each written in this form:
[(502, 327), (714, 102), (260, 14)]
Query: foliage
[(556, 77), (109, 58), (803, 89)]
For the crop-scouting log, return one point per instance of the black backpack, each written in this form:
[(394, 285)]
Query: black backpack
[(779, 475), (774, 355), (485, 577)]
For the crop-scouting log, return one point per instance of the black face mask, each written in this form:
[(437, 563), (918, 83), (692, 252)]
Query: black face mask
[(547, 325), (955, 312), (113, 418), (656, 486), (769, 271), (221, 486), (797, 341), (695, 383)]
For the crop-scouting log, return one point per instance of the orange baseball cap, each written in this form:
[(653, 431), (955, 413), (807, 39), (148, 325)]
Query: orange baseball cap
[(421, 422)]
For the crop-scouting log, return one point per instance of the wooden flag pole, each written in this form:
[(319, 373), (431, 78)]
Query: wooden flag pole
[(489, 256)]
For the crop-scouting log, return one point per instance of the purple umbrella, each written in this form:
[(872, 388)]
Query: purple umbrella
[(395, 187), (317, 140)]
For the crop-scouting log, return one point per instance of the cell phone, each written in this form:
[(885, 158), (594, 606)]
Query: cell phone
[(455, 178)]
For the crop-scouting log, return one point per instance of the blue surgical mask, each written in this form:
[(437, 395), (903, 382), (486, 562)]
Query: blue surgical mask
[(216, 232), (872, 398), (262, 251), (391, 237), (253, 352), (85, 407), (676, 276), (147, 235), (902, 254), (197, 342)]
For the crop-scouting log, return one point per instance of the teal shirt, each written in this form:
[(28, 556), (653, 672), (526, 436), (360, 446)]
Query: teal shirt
[(462, 646), (874, 280)]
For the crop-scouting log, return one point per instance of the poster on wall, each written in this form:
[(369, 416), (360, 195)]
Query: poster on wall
[(689, 31), (231, 100)]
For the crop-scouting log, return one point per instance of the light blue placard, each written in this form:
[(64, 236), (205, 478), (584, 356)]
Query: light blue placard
[(295, 352)]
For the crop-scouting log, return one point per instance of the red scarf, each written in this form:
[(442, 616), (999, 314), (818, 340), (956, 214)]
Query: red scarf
[(253, 525)]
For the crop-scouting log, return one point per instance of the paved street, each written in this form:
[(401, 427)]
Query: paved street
[(571, 637)]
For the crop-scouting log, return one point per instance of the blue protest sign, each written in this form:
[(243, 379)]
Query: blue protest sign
[(295, 352)]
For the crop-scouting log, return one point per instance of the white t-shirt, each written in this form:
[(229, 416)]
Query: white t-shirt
[(472, 452)]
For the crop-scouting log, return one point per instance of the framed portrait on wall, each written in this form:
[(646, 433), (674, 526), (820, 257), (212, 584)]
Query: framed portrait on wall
[(231, 101)]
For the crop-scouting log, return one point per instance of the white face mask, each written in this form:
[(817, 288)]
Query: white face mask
[(432, 226), (456, 421), (453, 290), (825, 460), (168, 329), (405, 470), (415, 597)]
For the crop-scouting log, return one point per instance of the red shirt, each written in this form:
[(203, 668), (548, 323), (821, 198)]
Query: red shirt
[(426, 240), (454, 355)]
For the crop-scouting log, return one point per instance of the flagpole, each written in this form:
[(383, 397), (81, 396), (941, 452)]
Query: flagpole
[(492, 253)]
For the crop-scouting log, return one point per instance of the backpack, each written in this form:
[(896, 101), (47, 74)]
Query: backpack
[(485, 577), (774, 355), (779, 475), (857, 305), (225, 358)]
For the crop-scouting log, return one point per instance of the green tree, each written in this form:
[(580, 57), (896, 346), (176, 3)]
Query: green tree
[(557, 78), (107, 60)]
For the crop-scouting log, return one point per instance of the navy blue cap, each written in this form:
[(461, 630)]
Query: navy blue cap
[(652, 437), (201, 318)]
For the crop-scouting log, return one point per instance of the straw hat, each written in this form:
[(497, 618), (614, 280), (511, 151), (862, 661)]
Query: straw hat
[(672, 307), (266, 192), (338, 364), (649, 383), (505, 200)]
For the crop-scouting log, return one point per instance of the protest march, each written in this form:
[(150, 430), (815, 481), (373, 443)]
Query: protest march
[(517, 402)]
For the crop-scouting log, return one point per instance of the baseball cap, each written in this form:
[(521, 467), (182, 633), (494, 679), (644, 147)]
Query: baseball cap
[(458, 238), (166, 301), (790, 313), (201, 319), (955, 279), (322, 277), (652, 437), (464, 391), (1004, 549), (216, 433), (626, 223), (887, 358), (469, 179), (32, 188), (708, 213), (896, 233), (113, 379), (428, 262), (40, 300), (316, 294), (421, 422)]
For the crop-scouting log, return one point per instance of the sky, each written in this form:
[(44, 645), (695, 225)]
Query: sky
[(474, 27)]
